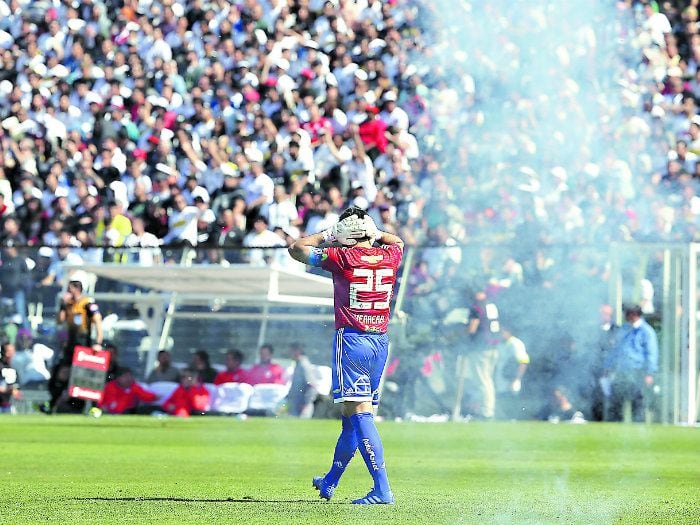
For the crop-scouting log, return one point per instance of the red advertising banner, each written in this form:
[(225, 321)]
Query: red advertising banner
[(87, 376)]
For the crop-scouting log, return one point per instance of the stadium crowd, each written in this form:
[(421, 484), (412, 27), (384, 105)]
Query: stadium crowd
[(232, 124), (138, 123)]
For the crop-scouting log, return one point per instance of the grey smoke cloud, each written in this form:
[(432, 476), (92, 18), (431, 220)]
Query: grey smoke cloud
[(537, 126)]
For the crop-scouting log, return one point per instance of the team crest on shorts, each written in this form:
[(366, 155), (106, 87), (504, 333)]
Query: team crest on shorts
[(360, 387)]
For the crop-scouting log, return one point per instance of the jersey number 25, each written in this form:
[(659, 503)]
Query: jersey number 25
[(374, 282)]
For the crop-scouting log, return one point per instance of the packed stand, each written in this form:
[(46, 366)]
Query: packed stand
[(218, 124)]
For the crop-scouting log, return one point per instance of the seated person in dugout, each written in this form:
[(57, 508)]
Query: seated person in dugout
[(190, 398), (124, 395)]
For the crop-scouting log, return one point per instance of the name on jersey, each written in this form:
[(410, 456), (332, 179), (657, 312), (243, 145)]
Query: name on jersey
[(372, 259), (371, 319)]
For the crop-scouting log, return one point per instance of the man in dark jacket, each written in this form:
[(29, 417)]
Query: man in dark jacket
[(14, 277)]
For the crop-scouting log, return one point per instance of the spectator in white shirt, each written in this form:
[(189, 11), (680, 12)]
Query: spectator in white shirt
[(261, 237), (329, 159), (392, 114), (258, 186), (282, 213), (147, 242), (299, 167), (361, 169), (182, 224)]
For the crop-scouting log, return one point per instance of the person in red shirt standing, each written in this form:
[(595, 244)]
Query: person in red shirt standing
[(266, 371), (233, 373), (191, 397), (364, 276), (373, 133), (123, 394)]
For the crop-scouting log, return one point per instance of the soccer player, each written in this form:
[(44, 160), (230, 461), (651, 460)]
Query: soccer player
[(363, 283)]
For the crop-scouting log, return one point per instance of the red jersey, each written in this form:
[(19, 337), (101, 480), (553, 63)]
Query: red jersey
[(237, 376), (265, 373), (363, 284), (117, 400), (372, 132), (183, 401), (314, 128)]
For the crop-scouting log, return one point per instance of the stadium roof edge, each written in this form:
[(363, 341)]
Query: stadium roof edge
[(236, 282)]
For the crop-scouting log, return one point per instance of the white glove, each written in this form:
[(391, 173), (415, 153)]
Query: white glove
[(515, 386), (346, 232), (370, 228)]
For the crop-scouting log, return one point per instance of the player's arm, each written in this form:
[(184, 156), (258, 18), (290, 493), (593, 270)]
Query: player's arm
[(63, 307), (389, 239), (307, 249)]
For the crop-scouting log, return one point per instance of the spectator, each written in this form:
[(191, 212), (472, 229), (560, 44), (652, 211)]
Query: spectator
[(56, 273), (510, 369), (265, 371), (261, 237), (282, 212), (182, 224), (164, 371), (124, 395), (148, 244), (258, 186), (223, 198), (11, 235), (373, 133), (190, 397), (631, 367), (200, 364), (9, 386), (233, 373), (323, 218), (119, 228), (231, 232), (302, 392), (31, 360), (14, 278)]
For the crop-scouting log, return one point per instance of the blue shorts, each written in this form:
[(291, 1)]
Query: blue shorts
[(358, 364)]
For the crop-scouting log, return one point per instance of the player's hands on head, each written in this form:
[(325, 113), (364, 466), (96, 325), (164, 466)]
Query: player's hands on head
[(349, 230), (370, 228), (346, 232)]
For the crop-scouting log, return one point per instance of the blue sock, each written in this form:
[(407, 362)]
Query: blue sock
[(344, 451), (370, 445)]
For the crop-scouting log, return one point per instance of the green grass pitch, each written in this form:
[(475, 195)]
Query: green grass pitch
[(133, 469)]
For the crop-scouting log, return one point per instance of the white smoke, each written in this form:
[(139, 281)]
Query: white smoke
[(537, 125)]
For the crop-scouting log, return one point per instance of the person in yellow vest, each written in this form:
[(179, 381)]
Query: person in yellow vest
[(80, 314), (117, 230)]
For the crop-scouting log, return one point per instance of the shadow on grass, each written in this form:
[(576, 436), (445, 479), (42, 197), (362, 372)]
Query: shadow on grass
[(245, 499)]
